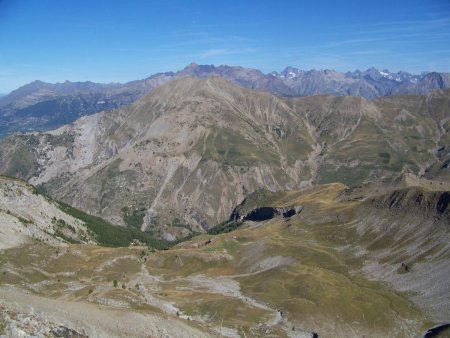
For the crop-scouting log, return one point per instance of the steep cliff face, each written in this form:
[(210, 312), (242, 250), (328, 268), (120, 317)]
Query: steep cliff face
[(184, 155)]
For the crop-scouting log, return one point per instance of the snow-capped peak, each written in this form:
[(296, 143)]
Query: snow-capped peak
[(386, 75)]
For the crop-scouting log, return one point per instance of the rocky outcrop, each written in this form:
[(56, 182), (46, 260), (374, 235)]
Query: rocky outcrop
[(259, 214), (415, 200), (64, 332), (438, 331)]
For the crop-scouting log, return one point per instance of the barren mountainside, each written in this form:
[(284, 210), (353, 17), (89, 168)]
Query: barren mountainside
[(183, 156), (26, 217)]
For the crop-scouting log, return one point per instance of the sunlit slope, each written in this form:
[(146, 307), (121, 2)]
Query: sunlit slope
[(344, 266), (183, 156), (26, 216), (365, 140)]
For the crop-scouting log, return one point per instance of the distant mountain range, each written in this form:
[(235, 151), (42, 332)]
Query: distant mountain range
[(43, 106)]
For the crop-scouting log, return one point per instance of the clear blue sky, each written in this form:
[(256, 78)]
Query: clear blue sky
[(117, 41)]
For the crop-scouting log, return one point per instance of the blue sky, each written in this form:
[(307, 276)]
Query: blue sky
[(118, 41)]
